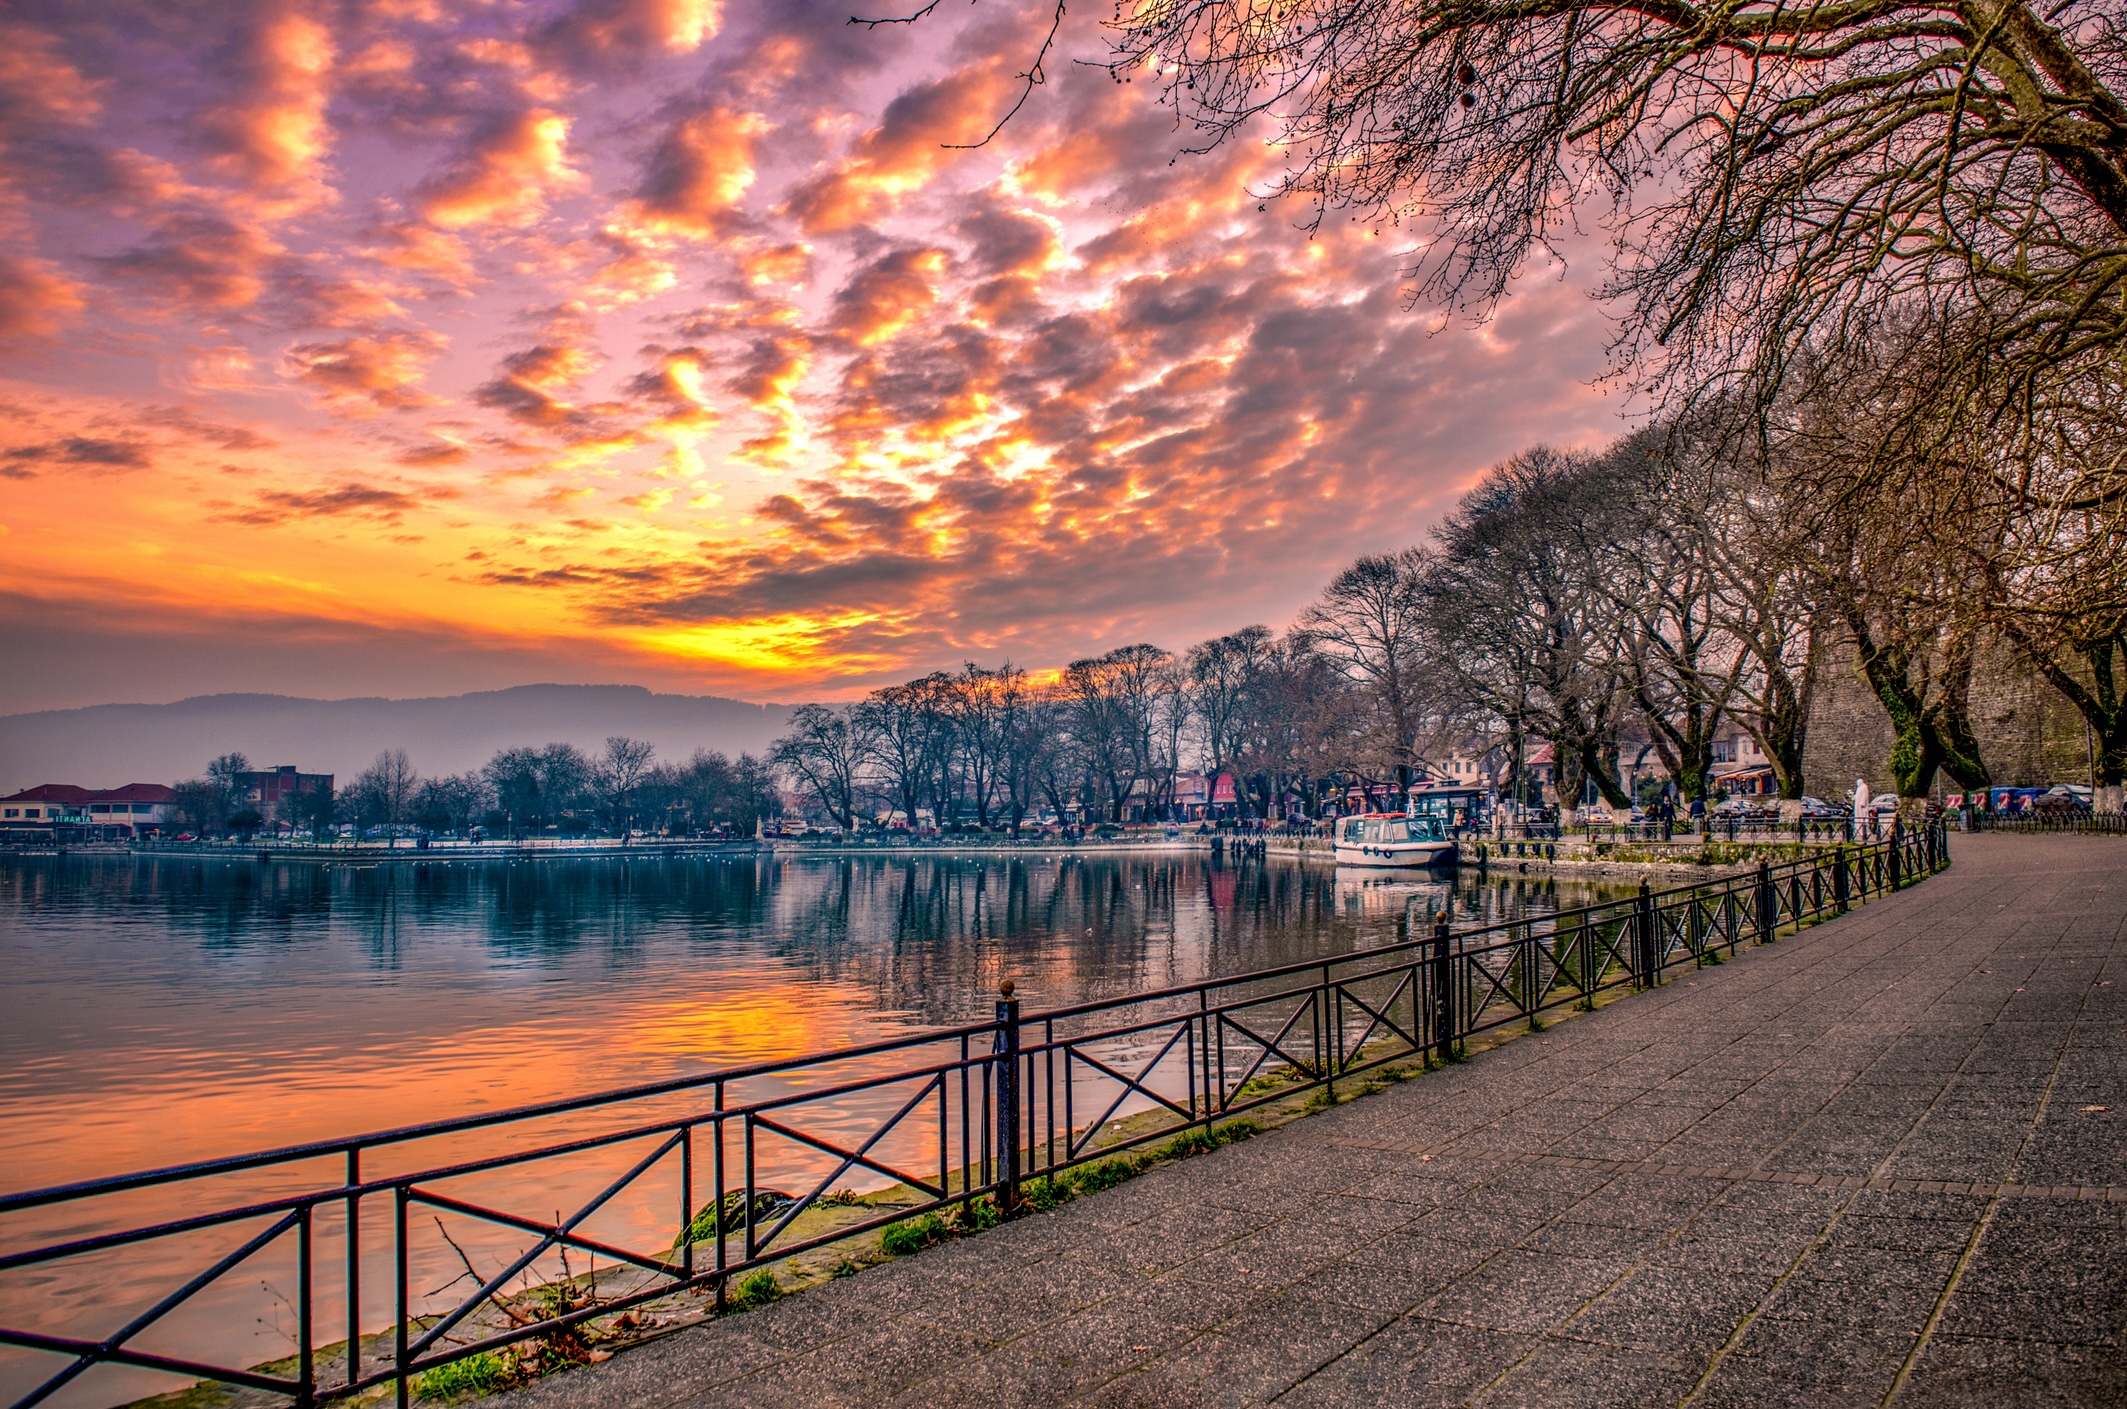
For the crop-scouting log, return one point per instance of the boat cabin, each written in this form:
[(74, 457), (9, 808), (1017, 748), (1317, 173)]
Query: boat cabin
[(1382, 828), (1454, 809)]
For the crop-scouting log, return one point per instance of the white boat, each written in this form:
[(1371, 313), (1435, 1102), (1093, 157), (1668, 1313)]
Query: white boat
[(1393, 839)]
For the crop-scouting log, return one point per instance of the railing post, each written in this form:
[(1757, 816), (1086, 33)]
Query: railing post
[(1443, 994), (1768, 913), (1008, 1099), (354, 1265), (1893, 856), (1643, 935), (1839, 879), (306, 1373)]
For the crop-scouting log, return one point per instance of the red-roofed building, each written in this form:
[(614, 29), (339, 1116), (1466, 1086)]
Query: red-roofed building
[(131, 810)]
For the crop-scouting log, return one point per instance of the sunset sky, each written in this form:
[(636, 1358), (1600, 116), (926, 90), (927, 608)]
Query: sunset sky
[(412, 347)]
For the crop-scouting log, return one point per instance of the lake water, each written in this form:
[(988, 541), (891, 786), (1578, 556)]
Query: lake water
[(165, 1009)]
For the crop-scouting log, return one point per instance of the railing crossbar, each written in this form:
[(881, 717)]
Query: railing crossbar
[(550, 1237)]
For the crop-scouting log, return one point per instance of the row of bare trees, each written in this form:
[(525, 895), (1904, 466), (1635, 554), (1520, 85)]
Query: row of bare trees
[(1691, 581), (1868, 262), (529, 789), (1108, 737)]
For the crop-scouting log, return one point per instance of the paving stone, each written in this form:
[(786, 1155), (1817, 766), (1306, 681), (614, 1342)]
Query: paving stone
[(1672, 1310), (1592, 1377), (1523, 1291), (1957, 1372), (1416, 1362)]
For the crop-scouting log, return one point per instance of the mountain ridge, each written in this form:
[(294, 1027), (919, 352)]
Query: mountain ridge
[(93, 745)]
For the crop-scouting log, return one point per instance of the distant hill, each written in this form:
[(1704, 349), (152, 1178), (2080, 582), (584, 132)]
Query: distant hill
[(107, 745)]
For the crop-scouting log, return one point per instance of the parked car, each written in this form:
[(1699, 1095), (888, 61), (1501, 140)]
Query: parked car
[(2058, 802), (1816, 809)]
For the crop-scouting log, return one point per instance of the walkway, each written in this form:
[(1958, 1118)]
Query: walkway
[(1880, 1162)]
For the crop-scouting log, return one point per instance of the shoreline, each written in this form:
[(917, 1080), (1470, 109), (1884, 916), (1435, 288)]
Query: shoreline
[(1697, 858)]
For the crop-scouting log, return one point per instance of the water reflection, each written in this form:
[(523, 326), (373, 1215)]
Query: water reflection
[(169, 1009), (193, 1007)]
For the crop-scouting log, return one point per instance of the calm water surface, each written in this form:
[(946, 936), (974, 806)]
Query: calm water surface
[(161, 1009)]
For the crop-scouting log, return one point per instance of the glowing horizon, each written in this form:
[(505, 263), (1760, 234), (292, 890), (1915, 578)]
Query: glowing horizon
[(414, 347)]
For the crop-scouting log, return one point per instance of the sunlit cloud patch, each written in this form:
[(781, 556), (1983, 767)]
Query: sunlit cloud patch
[(693, 342)]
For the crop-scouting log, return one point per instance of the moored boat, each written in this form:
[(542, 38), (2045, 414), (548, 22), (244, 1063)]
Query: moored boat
[(1393, 839)]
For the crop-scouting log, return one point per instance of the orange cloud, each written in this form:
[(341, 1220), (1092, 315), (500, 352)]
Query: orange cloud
[(608, 28), (789, 266), (36, 299), (904, 151), (273, 135), (888, 295), (367, 374), (40, 85), (201, 260), (789, 386), (366, 501), (530, 383), (515, 166), (699, 174)]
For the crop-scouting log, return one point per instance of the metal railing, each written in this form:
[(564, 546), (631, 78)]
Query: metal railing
[(2113, 823), (1725, 828), (741, 1157)]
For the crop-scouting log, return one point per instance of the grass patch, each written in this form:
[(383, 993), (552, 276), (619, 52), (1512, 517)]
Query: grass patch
[(913, 1235), (1050, 1190), (730, 1216), (975, 1216), (756, 1289), (484, 1373)]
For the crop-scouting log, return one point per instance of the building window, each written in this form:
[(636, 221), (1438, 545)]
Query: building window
[(13, 812), (29, 812)]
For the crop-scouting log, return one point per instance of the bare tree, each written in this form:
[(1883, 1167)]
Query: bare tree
[(826, 753), (1771, 172), (903, 727), (1225, 683), (449, 804), (618, 774), (384, 791), (1686, 669), (1370, 621), (536, 786), (1526, 616), (1115, 715)]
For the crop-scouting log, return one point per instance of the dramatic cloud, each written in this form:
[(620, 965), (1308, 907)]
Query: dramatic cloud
[(35, 299), (366, 501), (382, 372), (271, 134), (80, 450), (700, 332), (516, 163)]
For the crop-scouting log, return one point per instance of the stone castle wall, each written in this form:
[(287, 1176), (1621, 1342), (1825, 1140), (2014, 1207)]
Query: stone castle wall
[(2029, 734)]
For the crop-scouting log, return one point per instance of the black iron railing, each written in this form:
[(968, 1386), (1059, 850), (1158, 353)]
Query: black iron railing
[(1726, 828), (2112, 823), (745, 1160)]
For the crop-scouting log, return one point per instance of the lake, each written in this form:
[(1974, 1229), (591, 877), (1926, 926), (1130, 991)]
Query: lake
[(161, 1009)]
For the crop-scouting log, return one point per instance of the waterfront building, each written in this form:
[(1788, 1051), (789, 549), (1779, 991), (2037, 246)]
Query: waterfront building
[(270, 792), (49, 809)]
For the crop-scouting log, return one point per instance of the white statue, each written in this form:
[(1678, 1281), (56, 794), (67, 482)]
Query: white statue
[(1861, 804)]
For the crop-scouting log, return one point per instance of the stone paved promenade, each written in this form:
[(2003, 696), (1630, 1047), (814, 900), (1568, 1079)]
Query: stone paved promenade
[(1884, 1161)]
